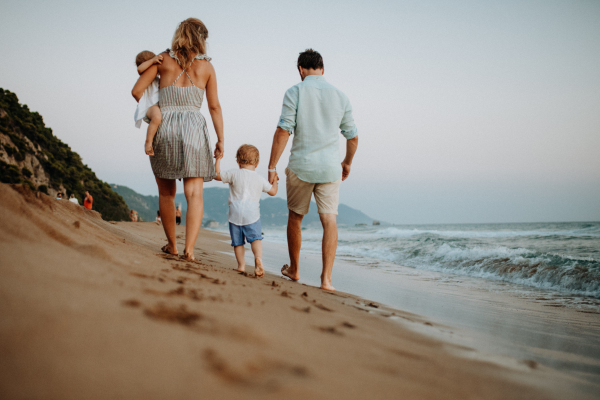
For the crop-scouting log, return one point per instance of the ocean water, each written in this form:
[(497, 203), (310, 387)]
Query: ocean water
[(561, 259)]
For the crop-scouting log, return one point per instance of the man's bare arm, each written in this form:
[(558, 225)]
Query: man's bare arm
[(351, 146), (280, 140)]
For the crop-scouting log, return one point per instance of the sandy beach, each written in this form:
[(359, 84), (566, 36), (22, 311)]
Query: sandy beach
[(92, 309)]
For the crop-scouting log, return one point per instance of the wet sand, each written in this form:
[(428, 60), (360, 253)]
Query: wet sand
[(490, 317), (91, 309)]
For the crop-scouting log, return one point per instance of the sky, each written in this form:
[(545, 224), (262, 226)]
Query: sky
[(467, 111)]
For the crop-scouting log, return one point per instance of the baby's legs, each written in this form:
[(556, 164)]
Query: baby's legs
[(239, 256), (257, 251), (155, 118)]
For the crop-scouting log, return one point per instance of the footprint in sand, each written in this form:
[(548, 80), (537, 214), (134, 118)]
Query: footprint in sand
[(306, 310), (179, 314), (259, 373), (131, 303), (330, 329)]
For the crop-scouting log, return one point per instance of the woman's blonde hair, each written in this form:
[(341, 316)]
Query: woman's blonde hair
[(248, 155), (189, 40)]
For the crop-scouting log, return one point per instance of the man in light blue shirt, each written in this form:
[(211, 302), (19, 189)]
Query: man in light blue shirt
[(315, 112)]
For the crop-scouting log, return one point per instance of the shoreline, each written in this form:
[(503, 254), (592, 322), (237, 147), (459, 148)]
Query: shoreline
[(485, 315), (93, 309)]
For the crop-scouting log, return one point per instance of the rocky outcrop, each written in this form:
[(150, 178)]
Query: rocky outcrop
[(31, 155)]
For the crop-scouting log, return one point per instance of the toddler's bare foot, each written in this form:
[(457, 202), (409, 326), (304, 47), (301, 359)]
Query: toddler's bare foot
[(293, 275), (188, 257), (241, 268), (259, 271)]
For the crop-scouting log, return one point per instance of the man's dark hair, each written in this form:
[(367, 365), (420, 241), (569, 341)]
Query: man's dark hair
[(310, 59)]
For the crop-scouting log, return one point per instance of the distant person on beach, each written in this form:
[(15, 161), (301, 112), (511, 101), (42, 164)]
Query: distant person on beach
[(147, 109), (133, 216), (182, 145), (158, 219), (245, 188), (73, 199), (315, 112), (88, 200), (178, 215), (59, 196)]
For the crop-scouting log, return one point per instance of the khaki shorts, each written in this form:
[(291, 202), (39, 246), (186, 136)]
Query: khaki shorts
[(327, 195)]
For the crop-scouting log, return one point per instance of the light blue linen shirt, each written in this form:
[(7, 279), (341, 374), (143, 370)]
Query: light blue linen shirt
[(315, 111)]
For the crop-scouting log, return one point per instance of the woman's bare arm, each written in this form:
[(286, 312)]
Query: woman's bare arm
[(143, 82), (214, 107)]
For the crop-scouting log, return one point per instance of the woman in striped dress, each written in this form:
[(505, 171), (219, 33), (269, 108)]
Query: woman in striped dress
[(182, 145)]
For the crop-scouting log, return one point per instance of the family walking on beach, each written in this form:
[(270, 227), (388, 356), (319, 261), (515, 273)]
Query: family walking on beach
[(170, 91)]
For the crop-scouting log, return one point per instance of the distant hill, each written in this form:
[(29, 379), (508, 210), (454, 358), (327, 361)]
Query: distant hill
[(146, 206), (30, 154), (273, 210)]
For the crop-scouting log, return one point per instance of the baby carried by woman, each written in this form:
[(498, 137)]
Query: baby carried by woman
[(147, 109)]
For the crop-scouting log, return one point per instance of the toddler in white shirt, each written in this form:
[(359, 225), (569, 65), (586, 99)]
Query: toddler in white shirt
[(147, 108), (245, 188)]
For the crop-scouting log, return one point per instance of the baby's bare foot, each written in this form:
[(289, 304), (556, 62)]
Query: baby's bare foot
[(259, 271)]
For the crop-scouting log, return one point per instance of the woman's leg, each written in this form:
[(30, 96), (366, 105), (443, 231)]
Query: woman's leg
[(166, 203), (192, 187)]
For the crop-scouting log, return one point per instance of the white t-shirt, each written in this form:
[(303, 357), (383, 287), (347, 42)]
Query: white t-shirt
[(245, 188), (74, 200), (149, 98)]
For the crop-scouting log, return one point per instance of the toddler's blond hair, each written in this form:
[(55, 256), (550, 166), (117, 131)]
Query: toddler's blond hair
[(247, 155)]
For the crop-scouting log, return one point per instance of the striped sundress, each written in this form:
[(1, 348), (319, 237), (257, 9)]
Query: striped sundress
[(182, 145)]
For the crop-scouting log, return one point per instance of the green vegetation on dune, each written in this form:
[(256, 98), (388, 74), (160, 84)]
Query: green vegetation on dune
[(62, 166)]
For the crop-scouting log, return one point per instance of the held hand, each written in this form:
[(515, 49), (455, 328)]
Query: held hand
[(345, 171), (148, 149), (273, 177), (219, 150)]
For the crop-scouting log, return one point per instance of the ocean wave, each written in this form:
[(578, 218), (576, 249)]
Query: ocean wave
[(563, 257), (520, 265), (396, 232)]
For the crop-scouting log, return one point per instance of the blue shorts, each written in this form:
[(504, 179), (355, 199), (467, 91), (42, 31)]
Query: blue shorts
[(250, 232)]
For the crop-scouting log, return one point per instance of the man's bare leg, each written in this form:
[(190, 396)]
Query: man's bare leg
[(166, 204), (192, 188), (240, 256), (294, 239), (257, 251), (330, 241)]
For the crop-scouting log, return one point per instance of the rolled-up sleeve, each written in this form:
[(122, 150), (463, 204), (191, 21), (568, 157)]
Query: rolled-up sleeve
[(347, 125), (287, 121)]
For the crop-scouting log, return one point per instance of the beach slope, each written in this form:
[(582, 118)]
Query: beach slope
[(92, 309)]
